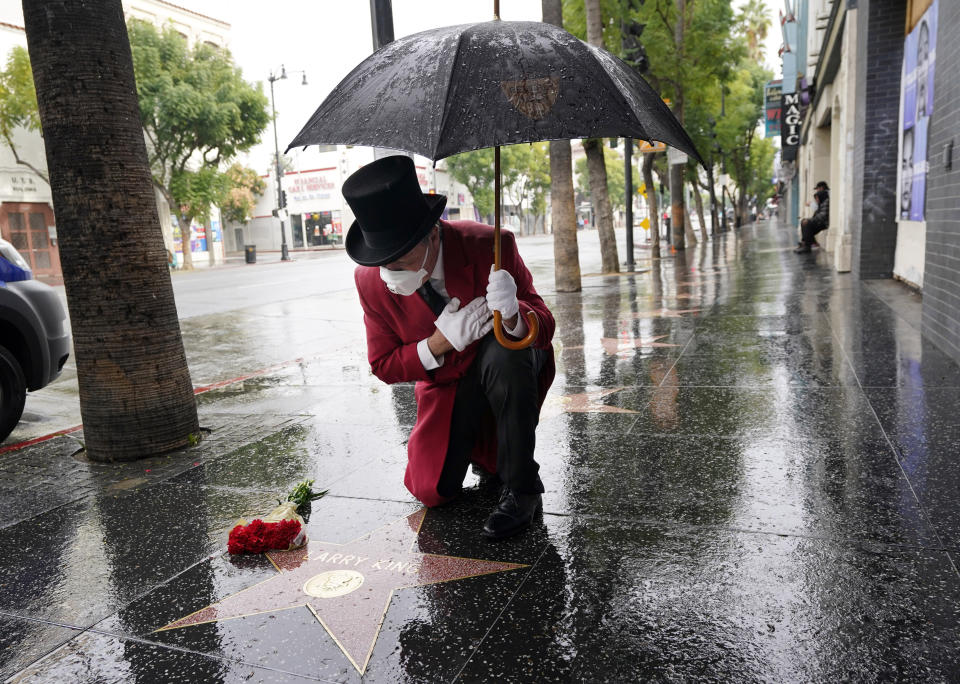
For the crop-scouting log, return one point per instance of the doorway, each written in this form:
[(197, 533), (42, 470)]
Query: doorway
[(29, 227)]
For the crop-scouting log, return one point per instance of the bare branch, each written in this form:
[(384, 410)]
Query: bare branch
[(24, 162)]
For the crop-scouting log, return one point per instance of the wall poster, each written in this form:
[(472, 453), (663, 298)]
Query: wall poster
[(916, 82)]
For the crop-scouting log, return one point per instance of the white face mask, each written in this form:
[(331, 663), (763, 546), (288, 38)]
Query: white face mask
[(405, 282)]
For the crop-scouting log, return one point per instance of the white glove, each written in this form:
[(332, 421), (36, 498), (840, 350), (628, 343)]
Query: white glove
[(463, 326), (502, 294)]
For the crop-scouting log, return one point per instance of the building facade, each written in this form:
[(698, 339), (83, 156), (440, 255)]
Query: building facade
[(877, 98), (26, 205)]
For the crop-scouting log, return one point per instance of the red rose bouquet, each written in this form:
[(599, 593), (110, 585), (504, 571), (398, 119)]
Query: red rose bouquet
[(280, 530)]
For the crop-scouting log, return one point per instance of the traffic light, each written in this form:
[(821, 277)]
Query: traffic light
[(283, 198)]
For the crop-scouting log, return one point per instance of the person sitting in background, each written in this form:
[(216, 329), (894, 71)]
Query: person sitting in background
[(816, 223)]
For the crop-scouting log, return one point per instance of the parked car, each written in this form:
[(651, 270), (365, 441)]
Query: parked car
[(34, 336)]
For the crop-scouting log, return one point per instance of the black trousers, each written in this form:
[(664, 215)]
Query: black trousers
[(809, 228), (504, 382)]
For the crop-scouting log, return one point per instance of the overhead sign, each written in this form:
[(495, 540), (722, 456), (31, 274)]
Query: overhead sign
[(645, 147), (790, 125), (772, 92), (675, 156)]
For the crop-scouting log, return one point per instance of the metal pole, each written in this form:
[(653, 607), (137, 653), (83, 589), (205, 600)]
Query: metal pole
[(381, 22), (284, 254), (628, 189)]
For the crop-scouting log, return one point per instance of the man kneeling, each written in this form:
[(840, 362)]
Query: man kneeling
[(428, 291)]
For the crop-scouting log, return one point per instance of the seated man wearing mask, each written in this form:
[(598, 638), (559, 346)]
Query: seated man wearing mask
[(428, 290)]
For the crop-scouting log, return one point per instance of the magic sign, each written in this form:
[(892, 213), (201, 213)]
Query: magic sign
[(790, 126)]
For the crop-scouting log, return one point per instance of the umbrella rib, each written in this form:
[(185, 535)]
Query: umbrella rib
[(446, 98)]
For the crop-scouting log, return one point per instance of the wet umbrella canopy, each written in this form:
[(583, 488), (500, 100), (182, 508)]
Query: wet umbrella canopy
[(460, 88)]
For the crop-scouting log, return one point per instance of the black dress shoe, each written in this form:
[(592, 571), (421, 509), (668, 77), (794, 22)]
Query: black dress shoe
[(513, 514)]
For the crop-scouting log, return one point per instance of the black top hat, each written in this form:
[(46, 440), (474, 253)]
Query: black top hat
[(393, 215)]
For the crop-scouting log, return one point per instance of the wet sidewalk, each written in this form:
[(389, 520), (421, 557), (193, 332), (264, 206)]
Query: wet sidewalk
[(751, 475)]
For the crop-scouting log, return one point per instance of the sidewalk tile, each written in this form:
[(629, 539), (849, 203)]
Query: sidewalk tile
[(615, 602)]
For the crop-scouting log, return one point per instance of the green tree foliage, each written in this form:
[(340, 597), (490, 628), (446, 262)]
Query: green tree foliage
[(244, 186), (475, 171), (197, 113), (529, 166), (18, 102), (525, 176), (737, 131), (708, 52)]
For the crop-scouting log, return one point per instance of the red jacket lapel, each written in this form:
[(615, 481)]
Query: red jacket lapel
[(458, 274)]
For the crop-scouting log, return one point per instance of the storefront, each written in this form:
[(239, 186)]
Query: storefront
[(315, 207)]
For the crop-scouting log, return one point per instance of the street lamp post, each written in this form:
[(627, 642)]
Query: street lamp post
[(281, 199)]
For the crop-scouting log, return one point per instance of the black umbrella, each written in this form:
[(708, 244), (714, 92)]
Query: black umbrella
[(461, 88)]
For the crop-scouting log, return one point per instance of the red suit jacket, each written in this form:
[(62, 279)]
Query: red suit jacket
[(395, 324)]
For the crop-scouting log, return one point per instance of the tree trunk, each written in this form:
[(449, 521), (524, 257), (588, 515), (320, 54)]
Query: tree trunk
[(563, 215), (676, 206), (691, 237), (185, 234), (136, 397), (600, 197), (698, 201), (714, 217), (563, 210), (652, 205), (599, 193), (594, 22)]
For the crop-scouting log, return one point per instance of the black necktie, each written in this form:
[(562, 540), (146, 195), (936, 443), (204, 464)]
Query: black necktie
[(432, 298)]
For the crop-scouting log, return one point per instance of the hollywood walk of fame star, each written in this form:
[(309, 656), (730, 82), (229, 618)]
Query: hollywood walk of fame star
[(347, 587), (584, 402)]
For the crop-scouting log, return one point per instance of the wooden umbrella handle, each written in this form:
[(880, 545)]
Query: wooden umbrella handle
[(533, 326)]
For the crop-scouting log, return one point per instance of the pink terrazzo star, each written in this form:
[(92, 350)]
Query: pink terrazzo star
[(347, 587)]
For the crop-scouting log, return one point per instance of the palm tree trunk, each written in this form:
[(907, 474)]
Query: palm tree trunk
[(652, 205), (563, 215), (597, 168), (594, 22), (563, 210), (136, 398), (595, 164)]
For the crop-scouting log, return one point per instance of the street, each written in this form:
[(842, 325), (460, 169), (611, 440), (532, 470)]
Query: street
[(242, 318)]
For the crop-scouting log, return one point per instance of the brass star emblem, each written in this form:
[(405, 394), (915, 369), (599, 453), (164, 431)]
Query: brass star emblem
[(347, 587)]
